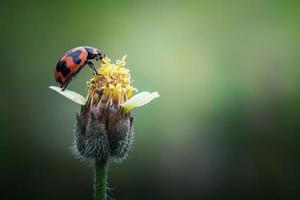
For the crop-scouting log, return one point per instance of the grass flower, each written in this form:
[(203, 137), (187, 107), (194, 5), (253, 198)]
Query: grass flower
[(111, 86), (104, 127)]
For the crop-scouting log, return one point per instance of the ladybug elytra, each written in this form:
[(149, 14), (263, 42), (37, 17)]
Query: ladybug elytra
[(73, 61)]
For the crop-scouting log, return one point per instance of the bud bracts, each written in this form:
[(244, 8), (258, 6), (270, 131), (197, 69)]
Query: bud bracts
[(103, 134)]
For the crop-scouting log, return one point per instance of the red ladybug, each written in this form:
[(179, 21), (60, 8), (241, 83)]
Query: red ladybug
[(73, 61)]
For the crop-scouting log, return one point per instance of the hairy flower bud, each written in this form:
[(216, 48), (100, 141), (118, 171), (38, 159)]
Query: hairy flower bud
[(103, 133)]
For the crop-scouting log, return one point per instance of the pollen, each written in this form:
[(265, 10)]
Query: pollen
[(111, 85)]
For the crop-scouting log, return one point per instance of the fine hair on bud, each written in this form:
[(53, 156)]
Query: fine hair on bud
[(103, 133)]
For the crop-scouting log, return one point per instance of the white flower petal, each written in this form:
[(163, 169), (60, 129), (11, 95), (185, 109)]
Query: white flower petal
[(136, 97), (146, 99), (139, 99), (77, 98)]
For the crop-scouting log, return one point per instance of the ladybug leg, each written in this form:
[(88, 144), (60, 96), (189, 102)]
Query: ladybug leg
[(66, 84), (91, 65), (64, 87)]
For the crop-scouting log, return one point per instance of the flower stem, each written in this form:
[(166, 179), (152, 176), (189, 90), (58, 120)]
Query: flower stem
[(100, 180)]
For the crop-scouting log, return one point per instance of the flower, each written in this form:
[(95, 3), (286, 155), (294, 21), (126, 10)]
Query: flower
[(112, 85), (104, 128)]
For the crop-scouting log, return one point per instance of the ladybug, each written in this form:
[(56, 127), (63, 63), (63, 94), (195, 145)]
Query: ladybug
[(73, 61)]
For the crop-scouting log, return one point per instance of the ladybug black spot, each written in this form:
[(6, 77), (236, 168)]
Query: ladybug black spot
[(62, 67), (75, 56)]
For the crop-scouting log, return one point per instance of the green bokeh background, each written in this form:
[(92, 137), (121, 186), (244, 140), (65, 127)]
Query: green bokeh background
[(226, 124)]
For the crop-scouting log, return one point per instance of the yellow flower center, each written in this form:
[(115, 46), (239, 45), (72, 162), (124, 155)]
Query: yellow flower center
[(112, 84)]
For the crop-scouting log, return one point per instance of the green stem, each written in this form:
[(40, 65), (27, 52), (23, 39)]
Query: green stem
[(100, 180)]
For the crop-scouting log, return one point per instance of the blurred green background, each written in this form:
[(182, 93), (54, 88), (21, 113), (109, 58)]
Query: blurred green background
[(225, 127)]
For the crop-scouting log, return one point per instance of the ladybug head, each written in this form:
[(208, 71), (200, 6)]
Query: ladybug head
[(94, 53), (99, 56)]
